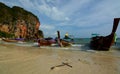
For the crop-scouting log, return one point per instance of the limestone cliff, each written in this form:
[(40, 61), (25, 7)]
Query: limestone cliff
[(19, 22)]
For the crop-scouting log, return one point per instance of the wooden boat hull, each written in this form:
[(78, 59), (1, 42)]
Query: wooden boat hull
[(9, 40), (65, 43), (43, 42)]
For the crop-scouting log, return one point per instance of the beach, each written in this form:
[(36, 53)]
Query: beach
[(59, 37), (50, 60)]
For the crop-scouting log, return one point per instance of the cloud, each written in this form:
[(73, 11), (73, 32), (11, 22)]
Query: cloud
[(74, 6), (10, 3), (49, 30), (47, 27), (92, 13), (53, 13), (28, 4), (47, 8), (74, 15)]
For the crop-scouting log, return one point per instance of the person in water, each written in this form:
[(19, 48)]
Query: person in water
[(67, 36)]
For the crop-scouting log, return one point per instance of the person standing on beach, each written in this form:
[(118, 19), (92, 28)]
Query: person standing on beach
[(115, 38)]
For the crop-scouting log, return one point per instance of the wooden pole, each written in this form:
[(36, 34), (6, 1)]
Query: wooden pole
[(58, 33), (59, 41)]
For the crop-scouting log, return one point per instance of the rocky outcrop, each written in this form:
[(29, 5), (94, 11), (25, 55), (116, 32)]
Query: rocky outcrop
[(19, 22)]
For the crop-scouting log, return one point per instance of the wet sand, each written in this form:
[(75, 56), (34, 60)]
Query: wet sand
[(36, 60)]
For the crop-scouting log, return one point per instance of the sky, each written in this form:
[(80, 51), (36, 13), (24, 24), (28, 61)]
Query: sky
[(80, 18)]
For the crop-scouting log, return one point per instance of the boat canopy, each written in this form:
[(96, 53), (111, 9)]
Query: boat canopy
[(95, 34)]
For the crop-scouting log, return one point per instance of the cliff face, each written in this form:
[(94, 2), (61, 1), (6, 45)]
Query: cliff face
[(19, 22)]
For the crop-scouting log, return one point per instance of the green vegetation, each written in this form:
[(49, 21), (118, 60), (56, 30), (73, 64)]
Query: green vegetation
[(8, 14), (40, 33), (6, 35)]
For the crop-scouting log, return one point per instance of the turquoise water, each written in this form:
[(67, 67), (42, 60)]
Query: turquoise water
[(82, 40), (79, 43), (86, 41), (118, 40)]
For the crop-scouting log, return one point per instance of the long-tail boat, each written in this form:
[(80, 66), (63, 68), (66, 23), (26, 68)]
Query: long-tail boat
[(61, 42), (9, 40), (104, 42), (46, 42)]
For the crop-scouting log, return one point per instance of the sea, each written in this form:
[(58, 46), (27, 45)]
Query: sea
[(86, 41), (78, 44)]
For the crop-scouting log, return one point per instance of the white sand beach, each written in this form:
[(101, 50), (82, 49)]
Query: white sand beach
[(36, 60)]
